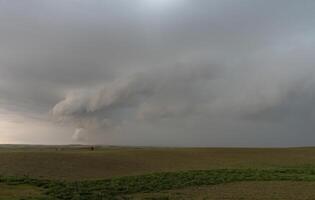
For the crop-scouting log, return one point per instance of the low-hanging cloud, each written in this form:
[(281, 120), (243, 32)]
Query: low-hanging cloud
[(179, 92)]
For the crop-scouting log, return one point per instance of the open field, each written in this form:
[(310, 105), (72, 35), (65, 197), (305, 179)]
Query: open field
[(77, 172), (81, 163)]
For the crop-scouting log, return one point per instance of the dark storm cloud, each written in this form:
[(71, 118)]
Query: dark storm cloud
[(153, 72)]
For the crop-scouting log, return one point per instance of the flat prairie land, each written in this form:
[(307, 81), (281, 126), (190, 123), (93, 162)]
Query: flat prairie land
[(77, 172), (82, 163)]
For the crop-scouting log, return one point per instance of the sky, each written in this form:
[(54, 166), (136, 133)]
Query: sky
[(235, 73)]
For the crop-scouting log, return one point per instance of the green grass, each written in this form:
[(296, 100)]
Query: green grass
[(246, 190), (16, 192), (120, 173), (118, 188)]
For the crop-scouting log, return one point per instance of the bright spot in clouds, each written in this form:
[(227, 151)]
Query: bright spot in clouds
[(160, 4)]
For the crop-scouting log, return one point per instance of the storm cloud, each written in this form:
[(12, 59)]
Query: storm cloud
[(153, 72)]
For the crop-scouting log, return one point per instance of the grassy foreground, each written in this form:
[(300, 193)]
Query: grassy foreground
[(21, 191), (120, 188), (246, 190), (77, 173)]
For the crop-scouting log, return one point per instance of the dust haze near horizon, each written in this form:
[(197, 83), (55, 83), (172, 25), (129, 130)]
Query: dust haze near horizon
[(158, 72)]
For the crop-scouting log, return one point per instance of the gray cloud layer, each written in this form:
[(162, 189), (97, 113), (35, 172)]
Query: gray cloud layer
[(153, 72)]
